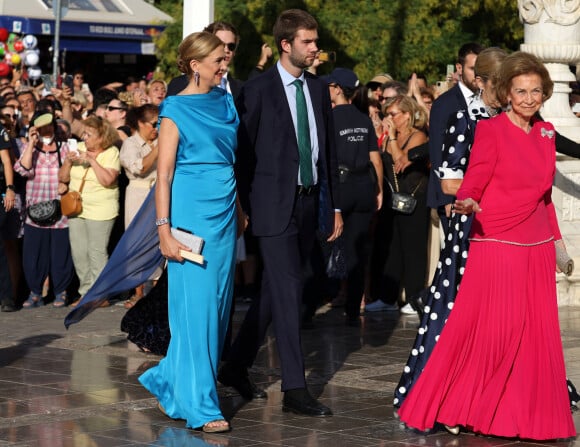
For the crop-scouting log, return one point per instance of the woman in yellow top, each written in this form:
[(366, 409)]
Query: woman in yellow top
[(97, 160)]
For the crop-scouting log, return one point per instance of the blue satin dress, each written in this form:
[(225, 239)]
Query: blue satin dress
[(203, 198)]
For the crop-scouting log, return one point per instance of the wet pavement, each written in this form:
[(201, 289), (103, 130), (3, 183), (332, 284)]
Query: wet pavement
[(79, 387)]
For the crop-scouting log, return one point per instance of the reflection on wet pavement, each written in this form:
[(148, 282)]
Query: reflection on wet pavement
[(79, 387)]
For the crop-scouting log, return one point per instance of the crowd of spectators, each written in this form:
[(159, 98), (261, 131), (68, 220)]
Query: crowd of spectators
[(398, 109), (54, 140)]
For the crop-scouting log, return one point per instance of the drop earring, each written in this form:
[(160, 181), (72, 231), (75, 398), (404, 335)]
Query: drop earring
[(196, 77)]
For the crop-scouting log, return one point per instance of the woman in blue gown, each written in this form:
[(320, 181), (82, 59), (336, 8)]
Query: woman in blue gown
[(196, 191)]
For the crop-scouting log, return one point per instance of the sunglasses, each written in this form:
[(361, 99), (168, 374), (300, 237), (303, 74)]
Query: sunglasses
[(7, 115), (111, 108), (231, 46)]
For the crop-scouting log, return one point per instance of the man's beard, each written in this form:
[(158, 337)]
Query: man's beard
[(300, 62)]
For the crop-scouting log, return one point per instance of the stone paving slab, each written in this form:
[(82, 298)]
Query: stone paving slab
[(79, 387)]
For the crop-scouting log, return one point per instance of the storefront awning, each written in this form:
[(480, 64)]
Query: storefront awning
[(100, 26), (90, 37)]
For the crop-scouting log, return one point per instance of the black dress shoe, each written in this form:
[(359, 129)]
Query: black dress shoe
[(9, 308), (239, 380), (300, 401)]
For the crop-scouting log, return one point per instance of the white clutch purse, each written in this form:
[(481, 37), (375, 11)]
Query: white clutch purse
[(194, 242)]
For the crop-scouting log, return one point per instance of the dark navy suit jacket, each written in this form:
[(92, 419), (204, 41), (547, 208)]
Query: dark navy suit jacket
[(267, 158), (443, 108)]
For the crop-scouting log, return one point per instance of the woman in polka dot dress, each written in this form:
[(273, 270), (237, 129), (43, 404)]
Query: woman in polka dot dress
[(457, 146)]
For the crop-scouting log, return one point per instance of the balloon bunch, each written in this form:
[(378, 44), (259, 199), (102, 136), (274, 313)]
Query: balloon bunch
[(15, 51)]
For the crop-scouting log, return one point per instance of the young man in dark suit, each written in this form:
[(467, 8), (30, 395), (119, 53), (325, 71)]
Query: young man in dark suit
[(455, 99), (228, 34), (287, 173)]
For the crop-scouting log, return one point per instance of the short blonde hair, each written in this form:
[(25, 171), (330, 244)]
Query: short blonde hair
[(196, 46), (417, 114), (105, 130), (156, 81), (517, 64)]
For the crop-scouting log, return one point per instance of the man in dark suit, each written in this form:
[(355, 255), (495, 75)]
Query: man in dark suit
[(287, 186), (455, 99), (228, 34)]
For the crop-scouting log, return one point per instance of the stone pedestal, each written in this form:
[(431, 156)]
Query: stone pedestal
[(552, 33), (566, 198)]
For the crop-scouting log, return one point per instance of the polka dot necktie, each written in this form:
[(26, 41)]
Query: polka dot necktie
[(304, 147)]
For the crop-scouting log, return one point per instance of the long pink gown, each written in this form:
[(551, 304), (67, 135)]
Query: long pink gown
[(498, 367)]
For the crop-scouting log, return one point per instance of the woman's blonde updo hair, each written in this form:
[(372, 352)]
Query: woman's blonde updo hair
[(417, 114), (196, 46), (517, 64), (488, 63)]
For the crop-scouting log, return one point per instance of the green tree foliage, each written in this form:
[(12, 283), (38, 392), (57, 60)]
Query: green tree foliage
[(370, 36), (166, 43)]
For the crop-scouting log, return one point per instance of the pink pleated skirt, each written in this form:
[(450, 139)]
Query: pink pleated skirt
[(498, 367)]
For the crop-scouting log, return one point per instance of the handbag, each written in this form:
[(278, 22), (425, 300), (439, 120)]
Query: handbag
[(48, 212), (403, 202), (336, 265), (193, 241), (71, 203), (45, 213)]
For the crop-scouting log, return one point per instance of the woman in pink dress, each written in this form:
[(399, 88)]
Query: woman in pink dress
[(498, 367)]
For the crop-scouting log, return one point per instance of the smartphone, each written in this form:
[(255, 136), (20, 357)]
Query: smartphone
[(68, 81), (73, 145), (85, 87), (450, 71), (47, 81), (327, 56)]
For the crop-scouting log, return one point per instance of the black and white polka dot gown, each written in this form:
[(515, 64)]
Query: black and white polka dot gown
[(441, 296)]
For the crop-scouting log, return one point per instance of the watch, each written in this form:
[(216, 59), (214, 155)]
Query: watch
[(10, 187)]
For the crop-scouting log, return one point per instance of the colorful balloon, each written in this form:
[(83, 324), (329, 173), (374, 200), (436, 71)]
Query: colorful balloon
[(29, 41), (15, 59), (31, 58), (18, 46), (4, 34), (2, 49), (34, 72), (5, 69)]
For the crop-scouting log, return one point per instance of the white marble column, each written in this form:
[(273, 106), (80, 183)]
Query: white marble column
[(552, 33), (197, 14)]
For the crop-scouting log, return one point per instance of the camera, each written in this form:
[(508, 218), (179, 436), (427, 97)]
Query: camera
[(442, 86), (327, 56)]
